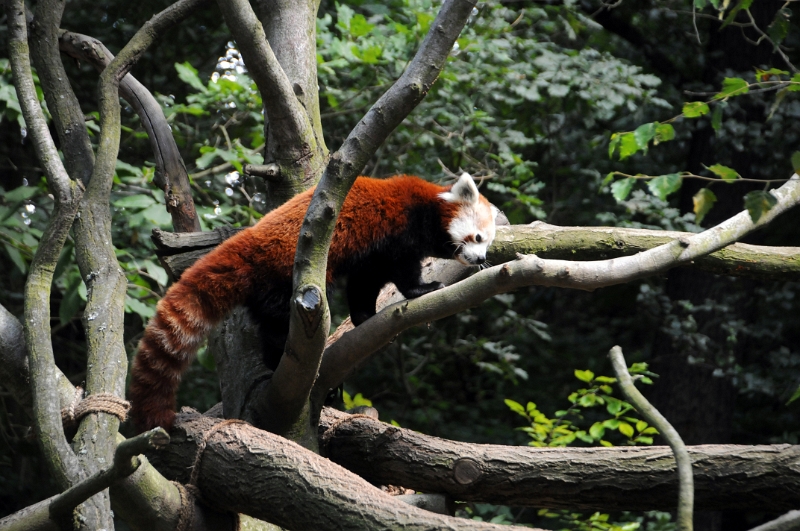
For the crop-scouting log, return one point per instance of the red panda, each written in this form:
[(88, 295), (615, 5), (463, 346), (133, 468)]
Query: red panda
[(385, 229)]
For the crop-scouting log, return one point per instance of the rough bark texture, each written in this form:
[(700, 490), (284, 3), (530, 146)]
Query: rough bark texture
[(171, 175), (764, 478), (276, 480)]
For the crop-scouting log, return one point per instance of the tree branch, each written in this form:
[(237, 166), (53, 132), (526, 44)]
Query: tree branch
[(788, 522), (171, 175), (665, 429), (599, 243), (636, 478), (355, 346), (62, 463), (286, 398), (279, 481), (291, 137)]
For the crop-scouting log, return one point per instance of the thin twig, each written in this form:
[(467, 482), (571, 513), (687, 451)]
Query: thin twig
[(656, 419)]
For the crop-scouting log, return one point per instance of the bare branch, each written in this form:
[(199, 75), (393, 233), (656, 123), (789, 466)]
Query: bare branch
[(620, 478), (291, 137), (260, 468), (788, 522), (355, 346), (62, 462), (598, 243), (287, 396), (171, 175), (665, 429)]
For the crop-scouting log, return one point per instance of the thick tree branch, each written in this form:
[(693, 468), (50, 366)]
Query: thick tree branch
[(286, 398), (596, 479), (788, 522), (291, 137), (276, 480), (355, 346), (171, 175), (62, 462), (599, 243), (61, 100), (673, 438)]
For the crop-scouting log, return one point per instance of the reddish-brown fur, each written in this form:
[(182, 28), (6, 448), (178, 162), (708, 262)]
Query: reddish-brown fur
[(260, 256)]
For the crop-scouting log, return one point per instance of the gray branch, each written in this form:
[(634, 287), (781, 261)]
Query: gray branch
[(171, 175), (665, 429), (292, 141), (355, 346), (788, 522), (621, 478), (62, 463), (297, 370), (263, 471)]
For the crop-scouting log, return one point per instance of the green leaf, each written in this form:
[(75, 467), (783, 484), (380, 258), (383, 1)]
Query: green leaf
[(613, 405), (359, 26), (796, 161), (732, 86), (608, 179), (650, 430), (664, 133), (700, 4), (625, 429), (134, 201), (643, 440), (759, 203), (628, 146), (794, 397), (138, 307), (605, 379), (779, 28), (725, 173), (597, 430), (156, 272), (664, 185), (764, 75), (695, 109), (621, 189), (644, 134), (795, 86), (22, 193), (584, 376), (646, 380), (703, 200), (205, 359), (16, 257), (611, 424), (716, 118), (188, 74), (615, 138), (641, 425), (516, 407)]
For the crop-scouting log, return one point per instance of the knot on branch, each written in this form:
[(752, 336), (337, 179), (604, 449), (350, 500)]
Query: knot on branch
[(99, 403), (310, 308), (326, 437), (467, 471)]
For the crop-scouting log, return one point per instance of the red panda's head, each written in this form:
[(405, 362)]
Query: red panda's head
[(472, 227)]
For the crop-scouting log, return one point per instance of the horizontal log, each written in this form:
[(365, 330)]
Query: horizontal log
[(600, 243), (764, 478), (180, 251), (246, 470)]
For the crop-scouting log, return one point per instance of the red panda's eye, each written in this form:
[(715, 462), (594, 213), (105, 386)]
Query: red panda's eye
[(478, 238)]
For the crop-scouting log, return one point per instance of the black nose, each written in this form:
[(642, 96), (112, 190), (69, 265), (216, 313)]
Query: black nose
[(480, 260)]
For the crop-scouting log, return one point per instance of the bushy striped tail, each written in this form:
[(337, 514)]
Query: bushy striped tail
[(205, 294)]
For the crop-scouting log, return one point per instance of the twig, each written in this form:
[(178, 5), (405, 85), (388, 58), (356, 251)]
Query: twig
[(656, 419)]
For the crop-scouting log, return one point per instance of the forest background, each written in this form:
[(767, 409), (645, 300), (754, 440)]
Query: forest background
[(528, 102)]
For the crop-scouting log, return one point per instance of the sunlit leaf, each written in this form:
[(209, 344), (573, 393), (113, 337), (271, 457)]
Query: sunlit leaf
[(664, 185), (703, 200), (758, 203), (732, 86), (644, 134), (664, 133), (695, 109), (622, 188), (584, 376), (725, 173)]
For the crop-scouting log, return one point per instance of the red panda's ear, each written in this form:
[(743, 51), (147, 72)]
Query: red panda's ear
[(463, 191)]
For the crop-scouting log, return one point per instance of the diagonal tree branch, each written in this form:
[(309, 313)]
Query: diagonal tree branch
[(287, 396), (291, 137), (171, 175), (355, 346)]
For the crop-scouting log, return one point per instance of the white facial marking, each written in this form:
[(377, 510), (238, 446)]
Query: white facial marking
[(473, 229)]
